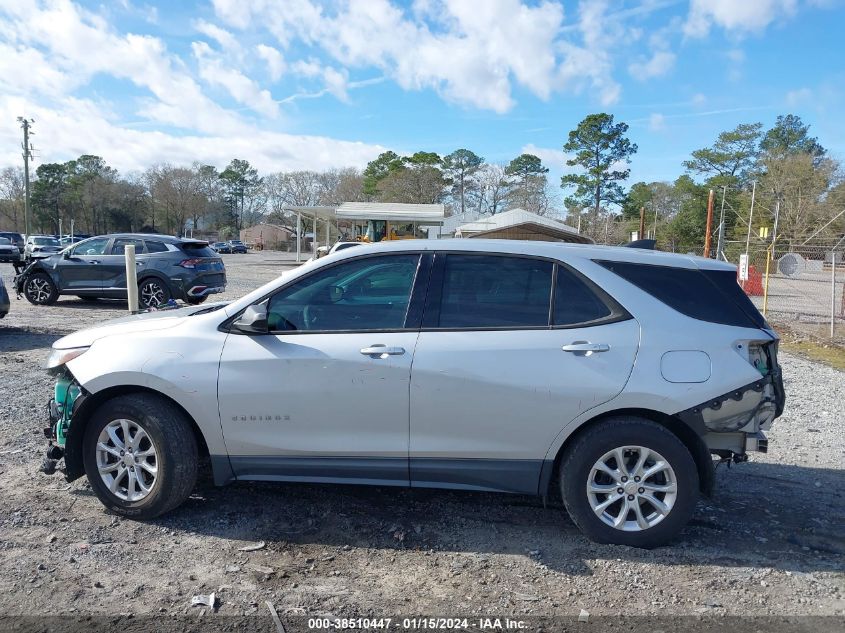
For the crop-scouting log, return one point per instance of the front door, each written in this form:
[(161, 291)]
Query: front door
[(324, 395), (81, 271), (503, 364)]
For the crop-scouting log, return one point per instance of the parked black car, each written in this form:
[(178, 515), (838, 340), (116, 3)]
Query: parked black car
[(168, 268), (222, 247), (9, 252), (237, 246), (14, 238)]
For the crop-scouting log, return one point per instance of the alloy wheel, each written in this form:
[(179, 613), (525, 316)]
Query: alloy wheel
[(152, 294), (39, 289), (632, 488), (127, 460)]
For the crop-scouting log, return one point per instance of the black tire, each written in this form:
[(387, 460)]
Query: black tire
[(153, 292), (176, 458), (195, 301), (40, 290), (627, 431)]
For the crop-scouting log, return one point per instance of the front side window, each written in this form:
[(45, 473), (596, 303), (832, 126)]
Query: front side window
[(363, 294), (492, 291), (94, 246)]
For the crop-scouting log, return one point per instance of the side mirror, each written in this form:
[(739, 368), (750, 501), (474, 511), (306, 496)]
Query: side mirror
[(253, 320), (66, 253)]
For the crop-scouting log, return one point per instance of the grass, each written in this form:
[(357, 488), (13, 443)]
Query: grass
[(826, 353)]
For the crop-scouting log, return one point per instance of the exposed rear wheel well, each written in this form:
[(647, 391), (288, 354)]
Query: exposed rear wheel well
[(73, 447), (691, 440)]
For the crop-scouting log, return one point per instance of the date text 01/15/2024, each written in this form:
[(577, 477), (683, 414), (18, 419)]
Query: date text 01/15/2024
[(418, 623)]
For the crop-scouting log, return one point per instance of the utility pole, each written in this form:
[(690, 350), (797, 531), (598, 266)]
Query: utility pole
[(709, 227), (721, 239), (641, 234), (27, 155), (750, 215)]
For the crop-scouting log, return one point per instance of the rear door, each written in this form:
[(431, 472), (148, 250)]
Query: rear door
[(114, 265), (511, 350)]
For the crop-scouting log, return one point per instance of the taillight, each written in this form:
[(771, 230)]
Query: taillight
[(190, 263)]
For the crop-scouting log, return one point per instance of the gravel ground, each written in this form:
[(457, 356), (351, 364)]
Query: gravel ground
[(770, 542)]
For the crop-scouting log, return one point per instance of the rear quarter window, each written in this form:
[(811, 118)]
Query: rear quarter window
[(706, 295), (154, 246), (197, 250)]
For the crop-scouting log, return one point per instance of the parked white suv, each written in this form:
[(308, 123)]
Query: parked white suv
[(609, 375)]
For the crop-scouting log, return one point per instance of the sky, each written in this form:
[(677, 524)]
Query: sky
[(310, 84)]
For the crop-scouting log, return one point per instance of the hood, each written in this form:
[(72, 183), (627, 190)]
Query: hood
[(144, 322)]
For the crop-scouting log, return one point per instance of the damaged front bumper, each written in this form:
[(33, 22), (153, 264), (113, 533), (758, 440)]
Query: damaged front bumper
[(60, 409)]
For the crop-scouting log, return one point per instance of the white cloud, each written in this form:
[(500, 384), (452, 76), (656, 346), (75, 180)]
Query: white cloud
[(471, 53), (738, 16), (214, 70), (553, 158), (273, 58), (656, 122), (799, 97), (659, 64), (221, 36), (69, 127), (49, 53)]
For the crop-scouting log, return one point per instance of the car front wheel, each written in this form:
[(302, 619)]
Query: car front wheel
[(140, 455), (629, 481), (39, 289)]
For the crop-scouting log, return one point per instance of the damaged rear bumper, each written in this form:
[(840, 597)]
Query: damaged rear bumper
[(733, 423)]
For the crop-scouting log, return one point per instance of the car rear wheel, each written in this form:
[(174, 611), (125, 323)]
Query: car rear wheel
[(140, 456), (629, 481), (153, 292), (39, 289)]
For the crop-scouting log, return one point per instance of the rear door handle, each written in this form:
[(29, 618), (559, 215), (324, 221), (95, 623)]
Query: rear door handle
[(585, 348), (382, 351)]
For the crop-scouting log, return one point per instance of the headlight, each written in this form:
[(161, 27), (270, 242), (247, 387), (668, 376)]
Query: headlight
[(59, 357)]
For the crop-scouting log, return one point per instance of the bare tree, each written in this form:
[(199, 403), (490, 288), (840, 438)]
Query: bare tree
[(495, 188)]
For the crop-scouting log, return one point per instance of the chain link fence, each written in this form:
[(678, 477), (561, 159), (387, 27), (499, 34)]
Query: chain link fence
[(799, 288)]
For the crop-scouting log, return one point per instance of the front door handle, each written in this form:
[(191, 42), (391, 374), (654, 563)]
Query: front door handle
[(382, 351), (583, 348), (94, 261)]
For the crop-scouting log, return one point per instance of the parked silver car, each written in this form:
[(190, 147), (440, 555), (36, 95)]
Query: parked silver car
[(40, 246), (606, 375)]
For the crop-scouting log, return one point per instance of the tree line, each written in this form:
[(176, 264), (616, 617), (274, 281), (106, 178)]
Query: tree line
[(783, 168)]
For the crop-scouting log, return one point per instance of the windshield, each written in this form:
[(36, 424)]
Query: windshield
[(46, 241)]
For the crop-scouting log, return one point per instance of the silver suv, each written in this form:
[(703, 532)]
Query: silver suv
[(606, 375)]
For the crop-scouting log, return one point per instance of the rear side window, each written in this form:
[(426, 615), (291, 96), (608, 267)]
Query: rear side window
[(489, 291), (154, 246), (120, 244), (575, 302), (197, 249), (707, 295)]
